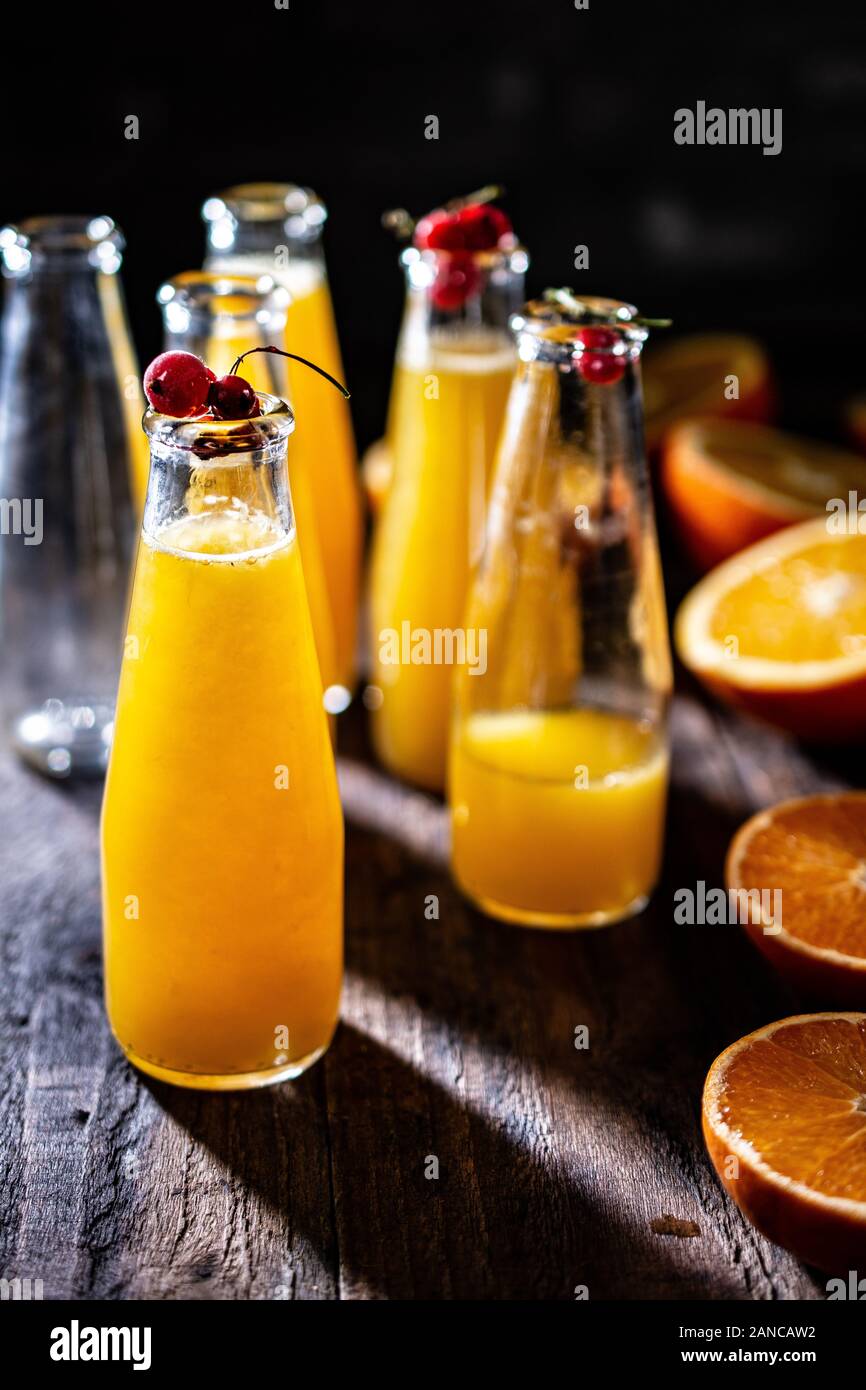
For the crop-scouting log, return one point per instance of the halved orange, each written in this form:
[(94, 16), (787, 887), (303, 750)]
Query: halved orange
[(784, 1119), (729, 483), (780, 630), (695, 375), (376, 470), (811, 852)]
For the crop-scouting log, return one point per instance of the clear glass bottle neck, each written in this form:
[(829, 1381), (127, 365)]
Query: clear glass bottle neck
[(593, 373), (234, 471), (269, 226), (58, 247), (477, 321), (217, 317)]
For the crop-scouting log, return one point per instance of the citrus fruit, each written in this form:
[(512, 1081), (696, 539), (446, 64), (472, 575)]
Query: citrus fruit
[(784, 1119), (780, 630), (812, 851), (729, 483), (692, 375)]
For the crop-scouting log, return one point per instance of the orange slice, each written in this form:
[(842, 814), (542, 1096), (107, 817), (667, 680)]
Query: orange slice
[(811, 852), (784, 1119), (780, 630), (729, 483), (692, 375)]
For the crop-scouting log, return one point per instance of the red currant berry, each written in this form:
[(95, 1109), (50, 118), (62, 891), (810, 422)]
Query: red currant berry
[(177, 383), (483, 226), (598, 362), (457, 279), (426, 227), (232, 398), (478, 227)]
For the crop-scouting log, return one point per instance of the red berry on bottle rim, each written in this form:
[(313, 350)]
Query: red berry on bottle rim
[(177, 383), (232, 398), (478, 227), (483, 226), (457, 279), (425, 227), (598, 362)]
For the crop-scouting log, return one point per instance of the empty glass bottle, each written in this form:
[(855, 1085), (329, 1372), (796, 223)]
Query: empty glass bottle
[(558, 757), (70, 407)]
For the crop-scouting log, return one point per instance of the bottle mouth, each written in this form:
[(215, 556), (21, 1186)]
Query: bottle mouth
[(556, 324), (300, 211), (195, 298), (65, 238), (499, 264), (215, 440)]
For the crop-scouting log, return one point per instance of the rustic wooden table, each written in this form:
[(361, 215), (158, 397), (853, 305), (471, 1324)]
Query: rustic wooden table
[(556, 1166)]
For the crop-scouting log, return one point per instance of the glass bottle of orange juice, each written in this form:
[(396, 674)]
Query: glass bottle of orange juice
[(558, 753), (455, 361), (222, 835), (220, 318), (276, 229)]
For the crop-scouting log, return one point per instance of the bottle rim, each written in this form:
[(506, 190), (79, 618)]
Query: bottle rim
[(557, 326), (420, 266), (95, 237), (212, 292), (300, 209), (212, 440)]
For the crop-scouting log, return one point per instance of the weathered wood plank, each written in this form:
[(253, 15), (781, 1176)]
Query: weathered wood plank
[(556, 1166)]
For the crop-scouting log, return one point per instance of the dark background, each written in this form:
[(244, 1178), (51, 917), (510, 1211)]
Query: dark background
[(571, 110)]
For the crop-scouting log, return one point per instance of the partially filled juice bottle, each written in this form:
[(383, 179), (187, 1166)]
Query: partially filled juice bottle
[(219, 318), (222, 835), (276, 229), (455, 361), (558, 756)]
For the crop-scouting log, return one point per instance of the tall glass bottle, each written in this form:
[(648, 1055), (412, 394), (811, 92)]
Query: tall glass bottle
[(558, 760), (451, 380), (276, 229), (69, 398), (219, 317), (222, 835)]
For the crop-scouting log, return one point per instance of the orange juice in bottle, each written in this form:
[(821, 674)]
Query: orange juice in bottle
[(276, 229), (222, 835), (221, 317), (558, 751), (455, 361)]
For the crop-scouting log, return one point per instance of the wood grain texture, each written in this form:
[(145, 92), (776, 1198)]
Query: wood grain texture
[(557, 1167)]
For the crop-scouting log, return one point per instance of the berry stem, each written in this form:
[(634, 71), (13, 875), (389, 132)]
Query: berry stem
[(402, 223), (568, 300), (488, 194), (295, 358)]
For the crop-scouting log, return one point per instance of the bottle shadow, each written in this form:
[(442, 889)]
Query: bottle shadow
[(658, 997), (428, 1195)]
